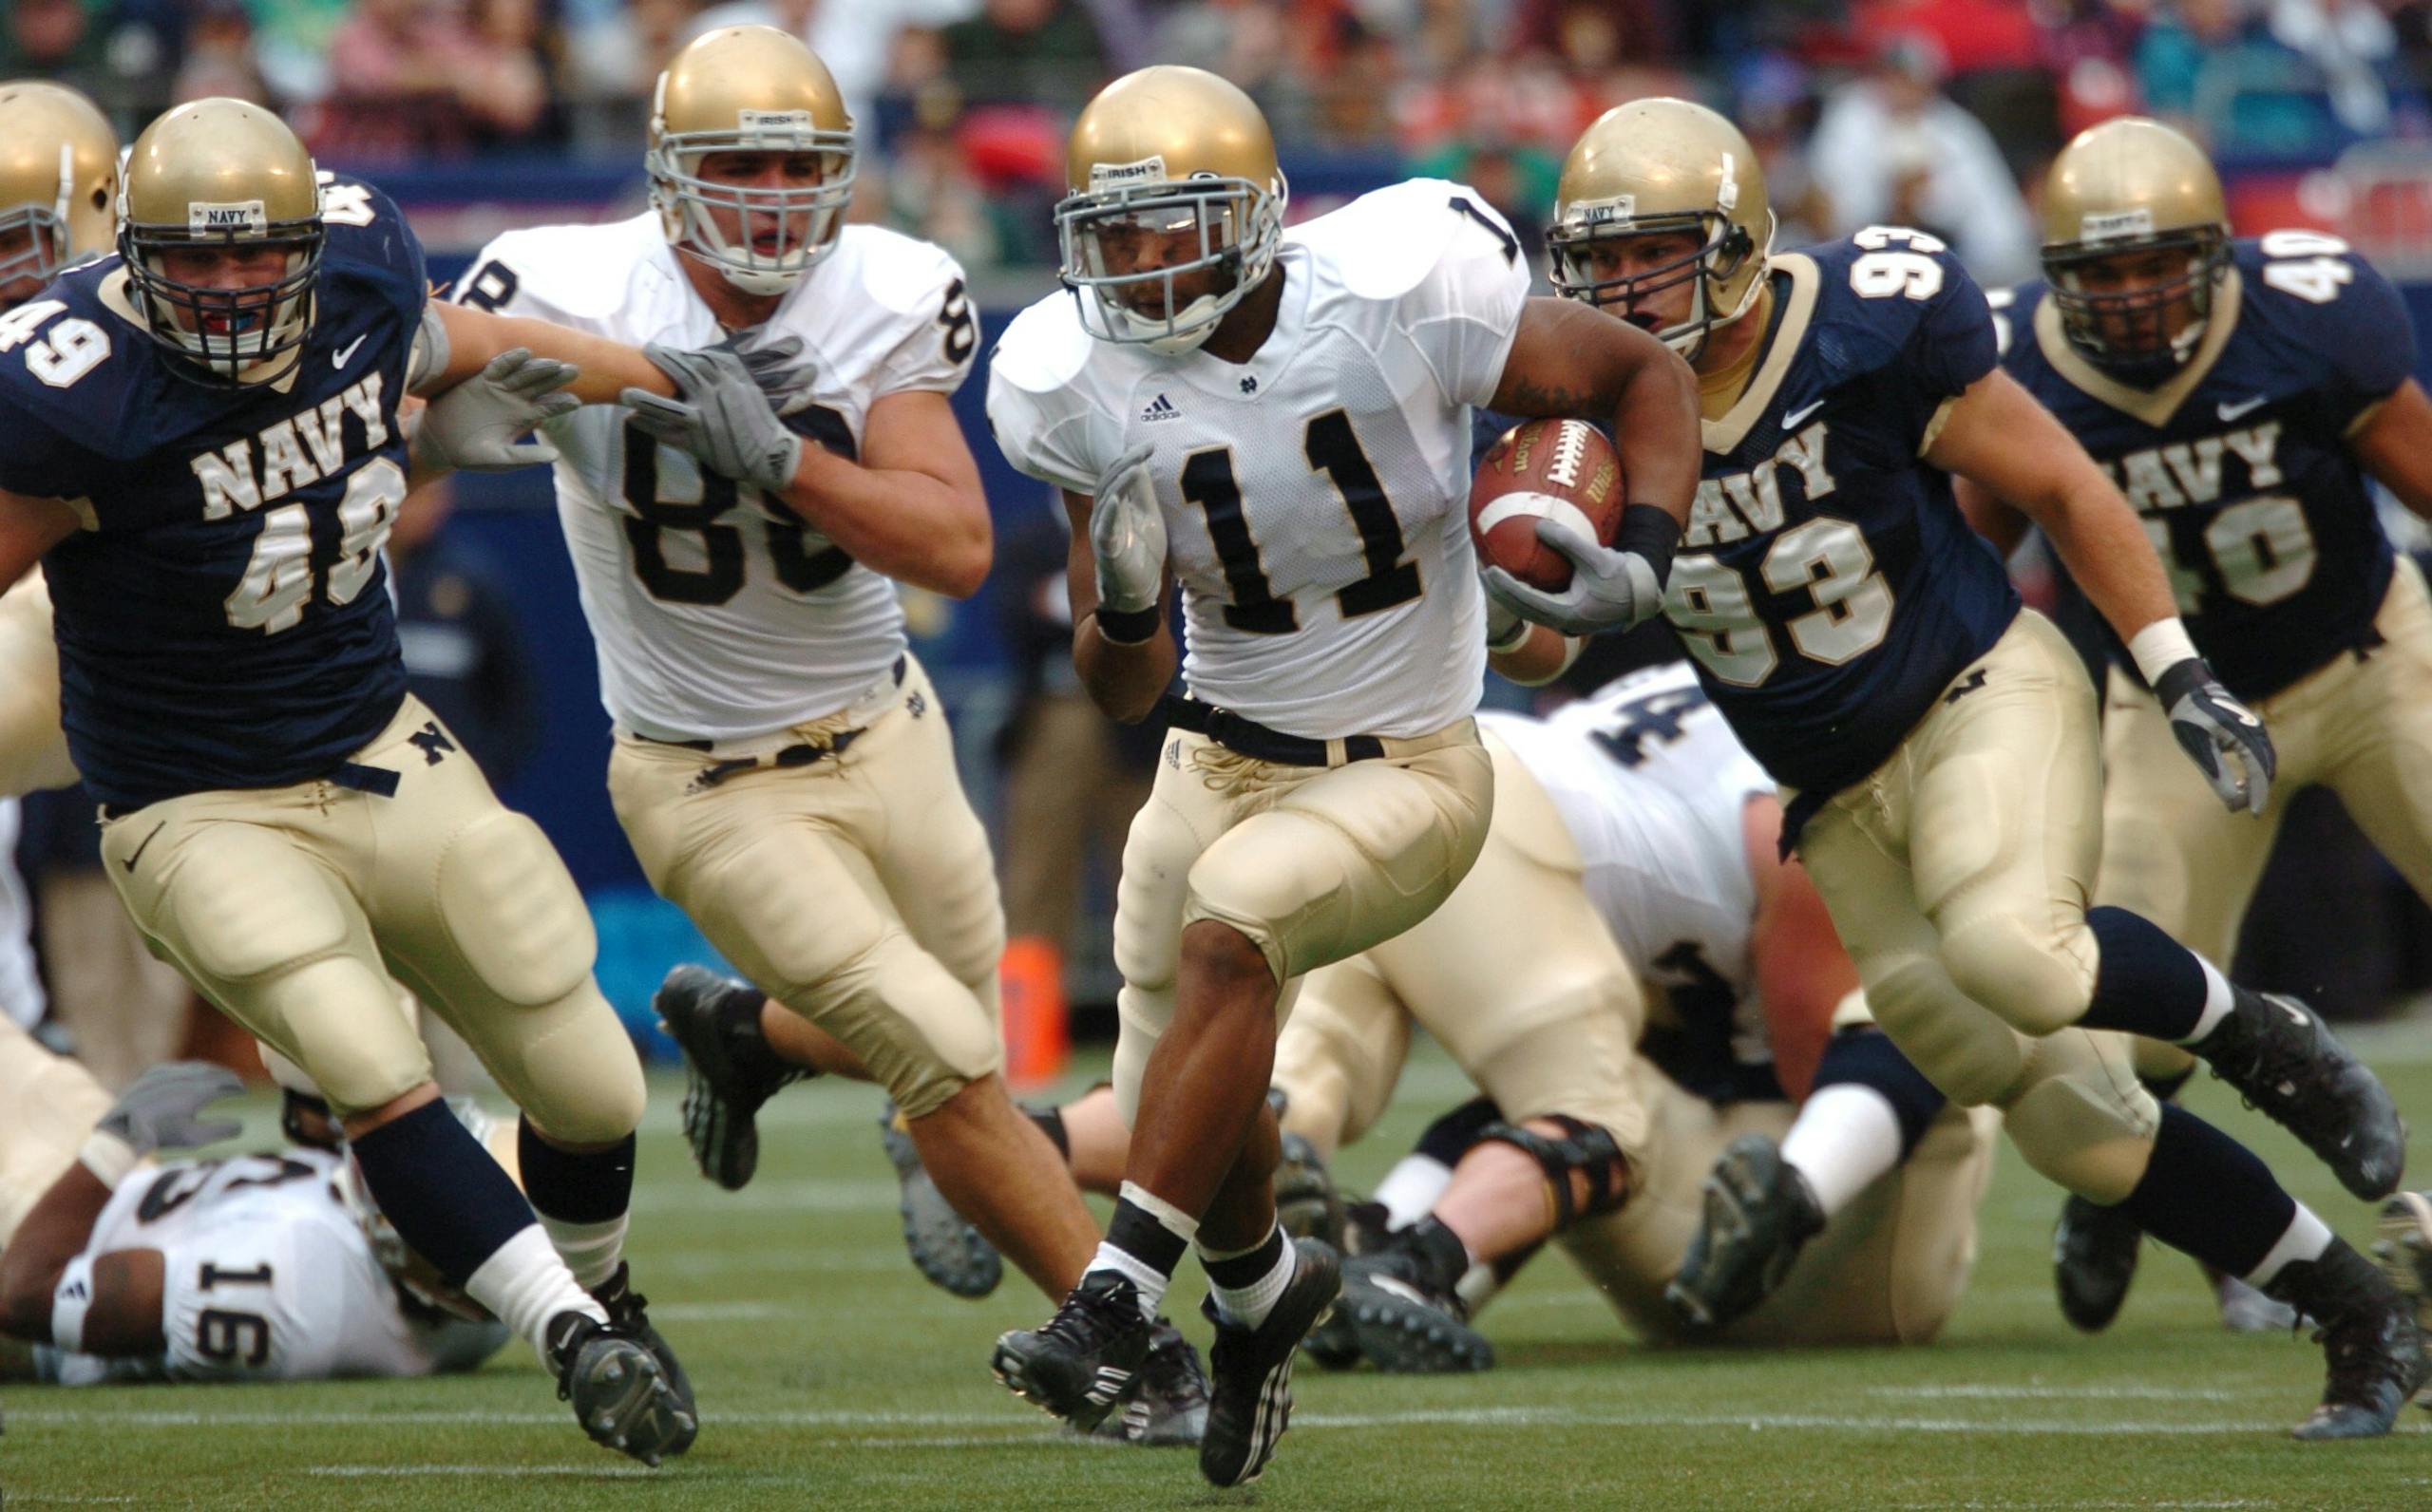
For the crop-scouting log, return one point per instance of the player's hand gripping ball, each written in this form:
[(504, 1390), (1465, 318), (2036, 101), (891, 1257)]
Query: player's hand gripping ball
[(1560, 470)]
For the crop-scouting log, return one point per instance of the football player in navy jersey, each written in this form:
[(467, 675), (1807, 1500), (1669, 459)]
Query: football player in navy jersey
[(1935, 743), (2239, 391), (201, 439)]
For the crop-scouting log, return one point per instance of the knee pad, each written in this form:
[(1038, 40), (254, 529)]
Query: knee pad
[(1974, 1057), (921, 1032), (2080, 1130), (570, 1067), (513, 913), (2031, 977), (1584, 1149)]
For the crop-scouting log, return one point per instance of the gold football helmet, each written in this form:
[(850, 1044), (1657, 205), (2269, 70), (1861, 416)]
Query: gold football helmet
[(1664, 165), (227, 175), (749, 89), (1168, 159), (2134, 185), (58, 180)]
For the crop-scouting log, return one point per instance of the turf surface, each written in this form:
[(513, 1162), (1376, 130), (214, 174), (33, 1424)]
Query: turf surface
[(831, 1376)]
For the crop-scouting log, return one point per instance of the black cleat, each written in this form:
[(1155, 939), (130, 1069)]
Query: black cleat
[(1084, 1361), (728, 1070), (1758, 1213), (1403, 1307), (1167, 1408), (2094, 1258), (1249, 1394), (629, 1314), (2368, 1336), (2283, 1060), (945, 1249), (1306, 1203), (2405, 1250), (620, 1394)]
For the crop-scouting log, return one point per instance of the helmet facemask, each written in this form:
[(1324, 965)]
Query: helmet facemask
[(2126, 333), (232, 336), (808, 218), (48, 238), (1232, 226), (1725, 248)]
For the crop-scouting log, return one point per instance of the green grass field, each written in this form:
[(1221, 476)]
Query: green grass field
[(831, 1376)]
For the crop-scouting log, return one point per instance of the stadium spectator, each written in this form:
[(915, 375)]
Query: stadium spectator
[(1027, 54), (219, 57), (410, 79)]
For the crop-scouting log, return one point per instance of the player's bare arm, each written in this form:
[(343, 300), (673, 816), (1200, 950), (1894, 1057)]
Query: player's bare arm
[(1125, 677), (912, 507), (604, 367), (122, 1316), (1991, 516), (2395, 446)]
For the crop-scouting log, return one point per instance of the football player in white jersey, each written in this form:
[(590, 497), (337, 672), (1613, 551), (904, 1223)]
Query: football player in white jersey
[(1634, 841), (272, 1267), (782, 764), (1278, 423)]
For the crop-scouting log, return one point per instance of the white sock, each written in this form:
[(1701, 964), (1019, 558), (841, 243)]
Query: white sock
[(1147, 1279), (1410, 1189), (1845, 1137), (524, 1284), (1247, 1306), (2217, 1000), (2306, 1238), (591, 1250)]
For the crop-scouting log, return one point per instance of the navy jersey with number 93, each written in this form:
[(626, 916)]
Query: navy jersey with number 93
[(1827, 585), (223, 617)]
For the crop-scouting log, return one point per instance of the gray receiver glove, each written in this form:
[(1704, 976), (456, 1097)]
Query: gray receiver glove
[(473, 426), (721, 415)]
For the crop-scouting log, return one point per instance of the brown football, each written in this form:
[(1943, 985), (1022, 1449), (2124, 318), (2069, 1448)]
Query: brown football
[(1561, 469)]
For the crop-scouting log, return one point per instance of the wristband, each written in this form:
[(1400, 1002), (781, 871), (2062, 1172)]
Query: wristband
[(2159, 647), (1650, 533), (70, 1302), (108, 1158), (1128, 627)]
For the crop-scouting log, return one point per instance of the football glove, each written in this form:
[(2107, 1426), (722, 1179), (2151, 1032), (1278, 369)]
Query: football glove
[(473, 426), (2219, 734), (160, 1111), (774, 360), (720, 415), (1128, 535), (1609, 588)]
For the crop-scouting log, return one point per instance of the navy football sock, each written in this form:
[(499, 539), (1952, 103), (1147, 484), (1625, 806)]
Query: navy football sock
[(1868, 1059), (2208, 1195), (447, 1198), (2146, 983), (591, 1186)]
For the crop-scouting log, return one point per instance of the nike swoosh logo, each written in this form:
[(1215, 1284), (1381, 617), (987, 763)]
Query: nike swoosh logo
[(2233, 412), (338, 359), (148, 842), (1790, 422)]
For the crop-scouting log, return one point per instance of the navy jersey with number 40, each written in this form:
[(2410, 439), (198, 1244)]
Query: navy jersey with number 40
[(1827, 585), (2239, 466), (223, 617)]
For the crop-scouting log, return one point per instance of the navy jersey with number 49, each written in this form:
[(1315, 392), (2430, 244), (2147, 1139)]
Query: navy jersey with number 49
[(223, 617), (2239, 466), (1827, 585)]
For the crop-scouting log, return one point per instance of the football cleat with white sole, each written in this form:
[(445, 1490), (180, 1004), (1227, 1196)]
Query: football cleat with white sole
[(1082, 1363), (944, 1246), (620, 1394), (1250, 1386), (2094, 1259), (2285, 1061), (1758, 1211), (728, 1070)]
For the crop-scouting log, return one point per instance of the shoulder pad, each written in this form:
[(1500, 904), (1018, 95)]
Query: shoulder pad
[(903, 275), (1383, 243), (1045, 348), (584, 272)]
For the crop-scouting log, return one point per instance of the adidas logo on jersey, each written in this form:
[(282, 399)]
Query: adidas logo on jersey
[(302, 449), (1162, 408)]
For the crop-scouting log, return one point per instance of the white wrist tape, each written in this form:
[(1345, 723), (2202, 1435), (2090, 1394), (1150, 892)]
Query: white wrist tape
[(69, 1303), (108, 1158), (2159, 647)]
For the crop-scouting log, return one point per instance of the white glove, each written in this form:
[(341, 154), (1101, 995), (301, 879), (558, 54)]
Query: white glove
[(721, 415), (1128, 535), (162, 1110), (1609, 588), (473, 426)]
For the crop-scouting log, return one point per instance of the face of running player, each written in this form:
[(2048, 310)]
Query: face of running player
[(2140, 288), (1665, 260), (22, 250), (228, 270), (1147, 240), (771, 231)]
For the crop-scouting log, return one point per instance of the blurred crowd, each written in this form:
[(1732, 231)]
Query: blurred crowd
[(1932, 112)]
